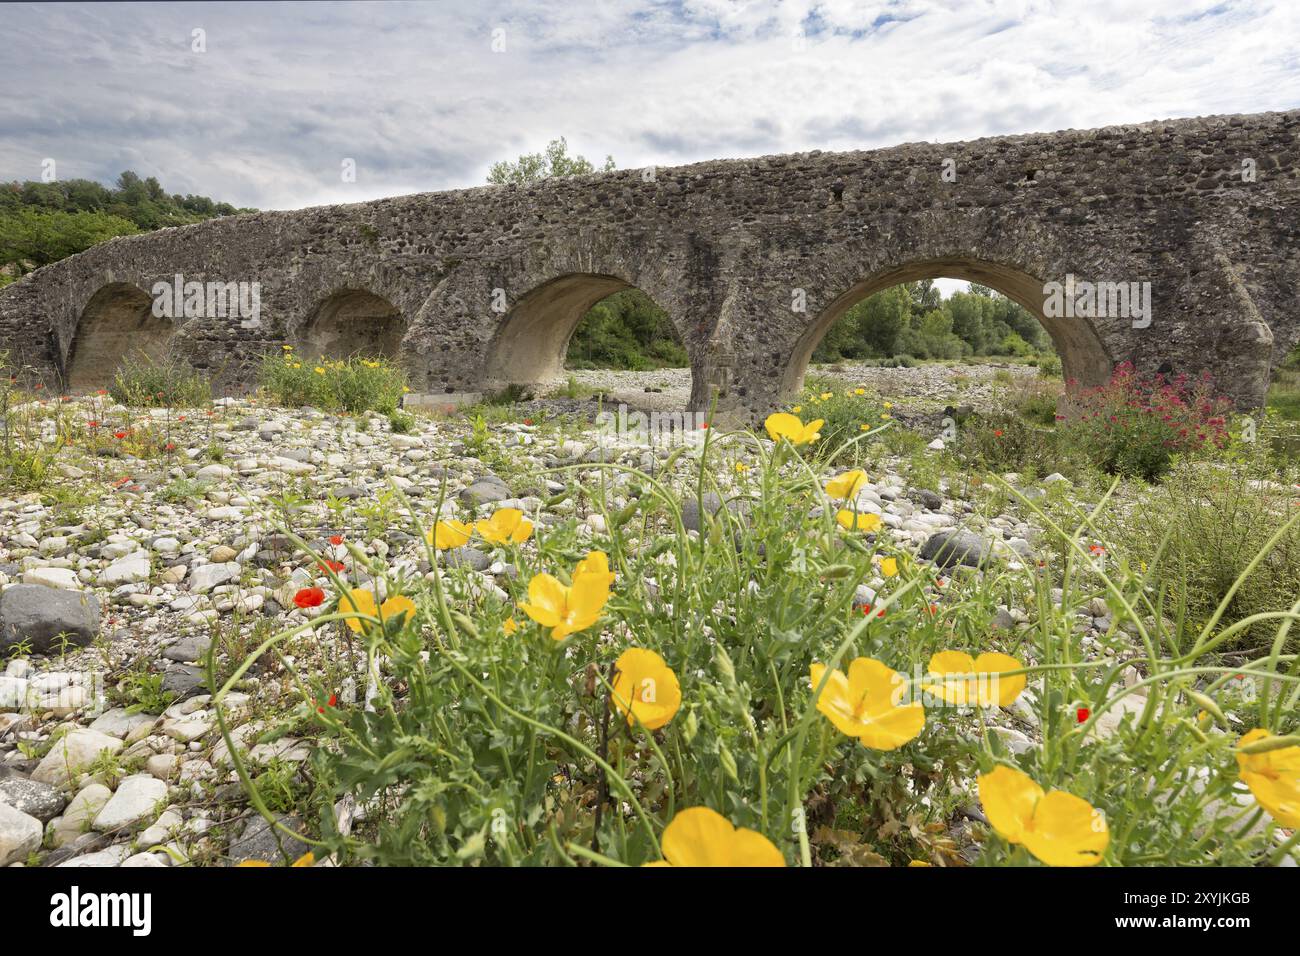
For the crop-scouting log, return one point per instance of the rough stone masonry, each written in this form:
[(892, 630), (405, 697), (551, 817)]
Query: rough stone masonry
[(753, 259)]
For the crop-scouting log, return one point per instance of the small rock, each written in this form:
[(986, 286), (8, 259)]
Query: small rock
[(31, 797), (64, 578), (258, 841), (207, 576), (72, 754), (950, 548), (45, 617), (135, 801), (181, 681), (129, 570), (20, 835)]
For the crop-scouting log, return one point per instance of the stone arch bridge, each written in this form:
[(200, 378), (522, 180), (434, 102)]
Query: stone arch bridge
[(752, 259)]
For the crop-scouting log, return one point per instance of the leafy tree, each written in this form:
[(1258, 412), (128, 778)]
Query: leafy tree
[(42, 223), (534, 167), (912, 319)]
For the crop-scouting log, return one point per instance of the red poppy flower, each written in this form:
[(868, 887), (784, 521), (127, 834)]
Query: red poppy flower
[(997, 432), (119, 435), (92, 424), (528, 421), (332, 702), (335, 566), (309, 597), (1082, 714), (336, 540)]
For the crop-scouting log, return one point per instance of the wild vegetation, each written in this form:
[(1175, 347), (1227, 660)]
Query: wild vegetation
[(41, 223)]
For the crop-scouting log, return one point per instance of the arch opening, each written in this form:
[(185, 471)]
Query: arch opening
[(1083, 357), (589, 319), (117, 323), (353, 322)]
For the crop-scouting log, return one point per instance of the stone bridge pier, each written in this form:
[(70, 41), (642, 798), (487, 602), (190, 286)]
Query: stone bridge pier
[(753, 260)]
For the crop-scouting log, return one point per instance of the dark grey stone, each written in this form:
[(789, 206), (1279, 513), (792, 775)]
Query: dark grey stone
[(950, 548), (43, 617), (257, 840), (182, 681), (192, 648), (469, 557), (929, 500), (32, 797), (484, 491), (712, 504)]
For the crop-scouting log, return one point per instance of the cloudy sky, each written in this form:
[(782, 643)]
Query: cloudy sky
[(426, 96)]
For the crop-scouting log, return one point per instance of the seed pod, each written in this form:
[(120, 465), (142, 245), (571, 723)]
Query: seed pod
[(690, 726), (1270, 743), (726, 669), (465, 624), (1208, 704), (728, 762)]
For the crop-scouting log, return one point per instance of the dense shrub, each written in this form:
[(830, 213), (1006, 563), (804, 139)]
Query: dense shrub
[(846, 414), (1049, 366), (1200, 530), (144, 382), (1006, 442), (353, 385), (1135, 424)]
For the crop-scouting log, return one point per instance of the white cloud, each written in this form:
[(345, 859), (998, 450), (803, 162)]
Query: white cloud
[(414, 93)]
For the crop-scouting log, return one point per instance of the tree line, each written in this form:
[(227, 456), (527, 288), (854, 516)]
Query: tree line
[(41, 223), (913, 319)]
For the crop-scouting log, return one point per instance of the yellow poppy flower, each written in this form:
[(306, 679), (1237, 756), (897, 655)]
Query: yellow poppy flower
[(595, 563), (975, 682), (1273, 777), (510, 625), (867, 704), (1058, 828), (646, 685), (358, 601), (361, 601), (863, 521), (784, 425), (319, 370), (566, 609), (450, 534), (741, 468), (846, 485), (888, 404), (307, 859), (699, 836), (505, 525), (797, 409), (859, 391), (889, 567), (397, 607)]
